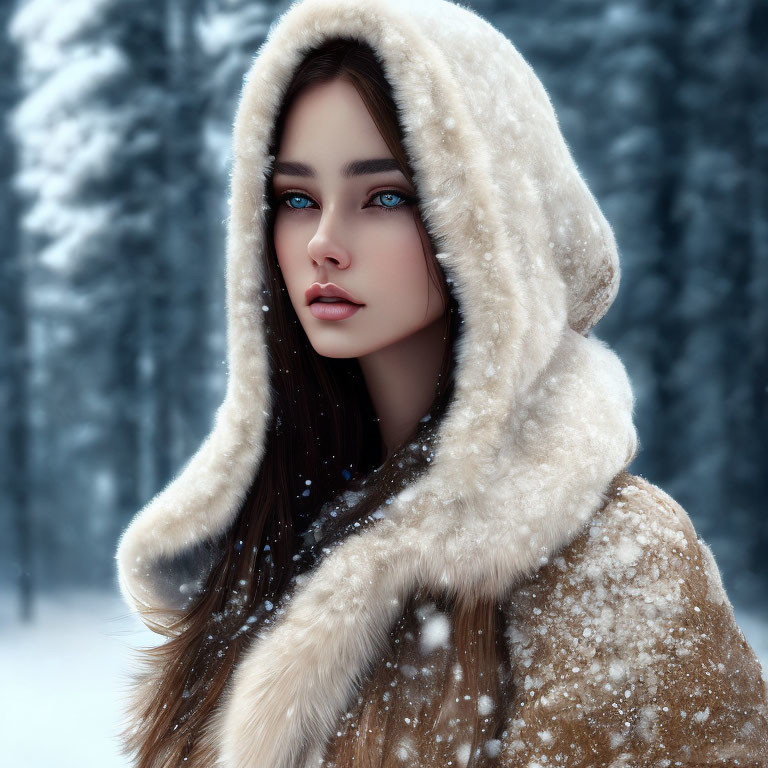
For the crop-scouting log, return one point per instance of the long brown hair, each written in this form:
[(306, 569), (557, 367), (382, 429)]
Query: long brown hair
[(317, 483)]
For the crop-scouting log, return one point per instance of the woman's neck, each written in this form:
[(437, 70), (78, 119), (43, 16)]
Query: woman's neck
[(401, 381)]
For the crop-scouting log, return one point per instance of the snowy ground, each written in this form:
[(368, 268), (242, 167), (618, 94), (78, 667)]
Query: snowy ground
[(61, 678)]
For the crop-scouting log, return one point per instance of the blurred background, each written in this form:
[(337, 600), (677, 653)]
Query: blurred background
[(114, 166)]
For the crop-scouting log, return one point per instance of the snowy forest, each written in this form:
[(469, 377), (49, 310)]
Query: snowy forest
[(114, 163), (114, 177), (115, 160)]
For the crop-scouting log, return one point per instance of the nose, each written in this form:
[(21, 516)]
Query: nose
[(326, 244)]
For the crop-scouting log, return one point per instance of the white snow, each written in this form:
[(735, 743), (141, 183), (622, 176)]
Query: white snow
[(435, 632), (485, 705), (493, 747), (701, 717), (64, 675)]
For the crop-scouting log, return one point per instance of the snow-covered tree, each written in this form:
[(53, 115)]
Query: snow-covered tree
[(87, 131), (228, 34), (16, 546)]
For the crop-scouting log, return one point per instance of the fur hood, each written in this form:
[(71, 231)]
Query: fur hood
[(542, 418)]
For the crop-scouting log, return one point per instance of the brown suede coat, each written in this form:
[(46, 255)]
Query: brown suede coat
[(623, 651)]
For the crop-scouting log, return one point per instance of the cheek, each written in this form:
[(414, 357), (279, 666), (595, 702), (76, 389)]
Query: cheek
[(289, 248), (401, 261), (283, 240)]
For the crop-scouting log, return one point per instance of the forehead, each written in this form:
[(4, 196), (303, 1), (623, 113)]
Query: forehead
[(328, 127)]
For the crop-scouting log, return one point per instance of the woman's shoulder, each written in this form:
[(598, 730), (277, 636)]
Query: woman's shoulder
[(641, 530), (628, 631), (650, 501), (635, 504), (639, 542), (640, 555)]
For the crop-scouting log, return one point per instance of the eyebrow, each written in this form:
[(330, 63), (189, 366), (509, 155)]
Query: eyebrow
[(354, 168)]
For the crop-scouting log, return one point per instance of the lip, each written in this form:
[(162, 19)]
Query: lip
[(337, 311), (329, 290)]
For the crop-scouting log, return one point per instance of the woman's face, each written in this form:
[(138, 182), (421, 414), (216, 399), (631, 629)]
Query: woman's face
[(356, 230)]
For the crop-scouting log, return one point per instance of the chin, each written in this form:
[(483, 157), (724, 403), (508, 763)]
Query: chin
[(334, 355), (347, 348), (336, 350)]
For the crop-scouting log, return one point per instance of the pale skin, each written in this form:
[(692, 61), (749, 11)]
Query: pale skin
[(334, 228)]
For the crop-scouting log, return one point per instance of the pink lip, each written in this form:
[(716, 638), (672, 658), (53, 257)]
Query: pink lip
[(329, 290), (339, 310)]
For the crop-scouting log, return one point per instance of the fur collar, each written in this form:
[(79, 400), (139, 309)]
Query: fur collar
[(542, 416), (475, 531)]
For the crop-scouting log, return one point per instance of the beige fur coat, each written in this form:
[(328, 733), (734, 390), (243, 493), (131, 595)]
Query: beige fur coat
[(623, 646)]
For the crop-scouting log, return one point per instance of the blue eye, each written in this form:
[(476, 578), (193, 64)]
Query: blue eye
[(400, 200), (294, 196), (390, 193)]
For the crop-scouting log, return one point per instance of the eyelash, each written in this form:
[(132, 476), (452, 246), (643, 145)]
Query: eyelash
[(406, 200)]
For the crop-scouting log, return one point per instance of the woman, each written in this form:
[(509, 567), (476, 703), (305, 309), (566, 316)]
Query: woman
[(410, 536)]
